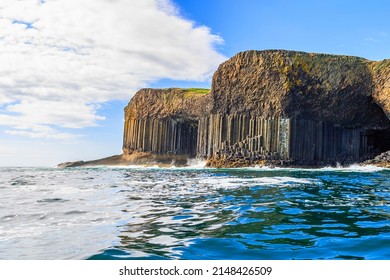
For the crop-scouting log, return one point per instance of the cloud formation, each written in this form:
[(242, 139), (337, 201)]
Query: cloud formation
[(59, 59)]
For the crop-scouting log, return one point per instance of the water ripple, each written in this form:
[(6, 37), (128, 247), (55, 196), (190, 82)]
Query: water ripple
[(108, 213)]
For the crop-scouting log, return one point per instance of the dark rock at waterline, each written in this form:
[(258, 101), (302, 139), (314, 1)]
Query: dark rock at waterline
[(382, 160), (71, 164)]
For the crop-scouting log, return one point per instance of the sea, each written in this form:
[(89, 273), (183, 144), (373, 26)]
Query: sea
[(194, 213)]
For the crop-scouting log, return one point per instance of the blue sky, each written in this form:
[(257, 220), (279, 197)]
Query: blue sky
[(359, 28), (66, 74)]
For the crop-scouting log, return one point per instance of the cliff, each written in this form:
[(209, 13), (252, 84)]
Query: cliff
[(328, 88), (270, 107), (174, 103), (164, 122), (267, 107), (309, 109)]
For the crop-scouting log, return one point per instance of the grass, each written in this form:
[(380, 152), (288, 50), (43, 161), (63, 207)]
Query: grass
[(197, 90)]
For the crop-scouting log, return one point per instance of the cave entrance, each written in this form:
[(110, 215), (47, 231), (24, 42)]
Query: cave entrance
[(376, 141), (182, 138)]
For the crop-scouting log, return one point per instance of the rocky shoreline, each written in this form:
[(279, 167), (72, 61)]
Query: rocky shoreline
[(382, 160), (135, 158), (148, 159)]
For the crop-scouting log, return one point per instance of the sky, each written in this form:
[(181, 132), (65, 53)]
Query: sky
[(69, 67)]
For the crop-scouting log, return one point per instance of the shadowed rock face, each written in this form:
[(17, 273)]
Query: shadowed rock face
[(320, 87)]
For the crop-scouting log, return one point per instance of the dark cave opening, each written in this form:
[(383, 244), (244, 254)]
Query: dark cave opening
[(378, 141)]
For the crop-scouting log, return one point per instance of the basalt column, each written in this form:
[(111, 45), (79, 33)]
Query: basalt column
[(273, 106), (312, 109), (243, 136), (160, 136), (301, 141), (320, 143), (164, 121)]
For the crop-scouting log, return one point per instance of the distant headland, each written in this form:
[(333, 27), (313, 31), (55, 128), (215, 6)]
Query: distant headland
[(273, 107)]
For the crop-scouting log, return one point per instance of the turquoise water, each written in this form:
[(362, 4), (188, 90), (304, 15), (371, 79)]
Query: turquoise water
[(194, 213)]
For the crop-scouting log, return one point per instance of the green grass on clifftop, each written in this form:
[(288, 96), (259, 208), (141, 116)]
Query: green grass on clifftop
[(197, 90)]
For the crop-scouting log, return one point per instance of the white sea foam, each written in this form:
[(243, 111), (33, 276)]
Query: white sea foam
[(355, 168), (266, 168), (339, 168), (194, 164), (262, 181)]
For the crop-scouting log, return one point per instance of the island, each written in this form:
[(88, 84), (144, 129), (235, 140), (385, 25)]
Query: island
[(271, 107)]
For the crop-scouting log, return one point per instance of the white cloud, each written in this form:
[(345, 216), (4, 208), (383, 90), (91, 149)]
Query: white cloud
[(60, 113), (46, 133), (60, 59)]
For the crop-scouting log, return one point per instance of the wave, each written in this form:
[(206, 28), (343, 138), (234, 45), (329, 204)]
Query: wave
[(338, 168), (261, 181), (198, 164), (349, 168), (355, 168), (191, 164)]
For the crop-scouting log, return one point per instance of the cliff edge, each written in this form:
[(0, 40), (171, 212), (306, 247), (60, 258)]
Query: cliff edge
[(175, 103)]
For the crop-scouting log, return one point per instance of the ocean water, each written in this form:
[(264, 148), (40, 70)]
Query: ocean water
[(194, 213)]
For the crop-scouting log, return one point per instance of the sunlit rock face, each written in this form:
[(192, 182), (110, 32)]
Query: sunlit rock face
[(165, 121), (381, 84)]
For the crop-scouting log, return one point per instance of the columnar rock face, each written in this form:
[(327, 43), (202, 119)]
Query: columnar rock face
[(164, 121), (266, 106), (318, 87), (244, 135)]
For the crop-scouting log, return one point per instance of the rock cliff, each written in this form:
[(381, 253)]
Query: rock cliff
[(165, 122), (271, 106), (174, 103), (328, 88), (267, 107), (311, 109)]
